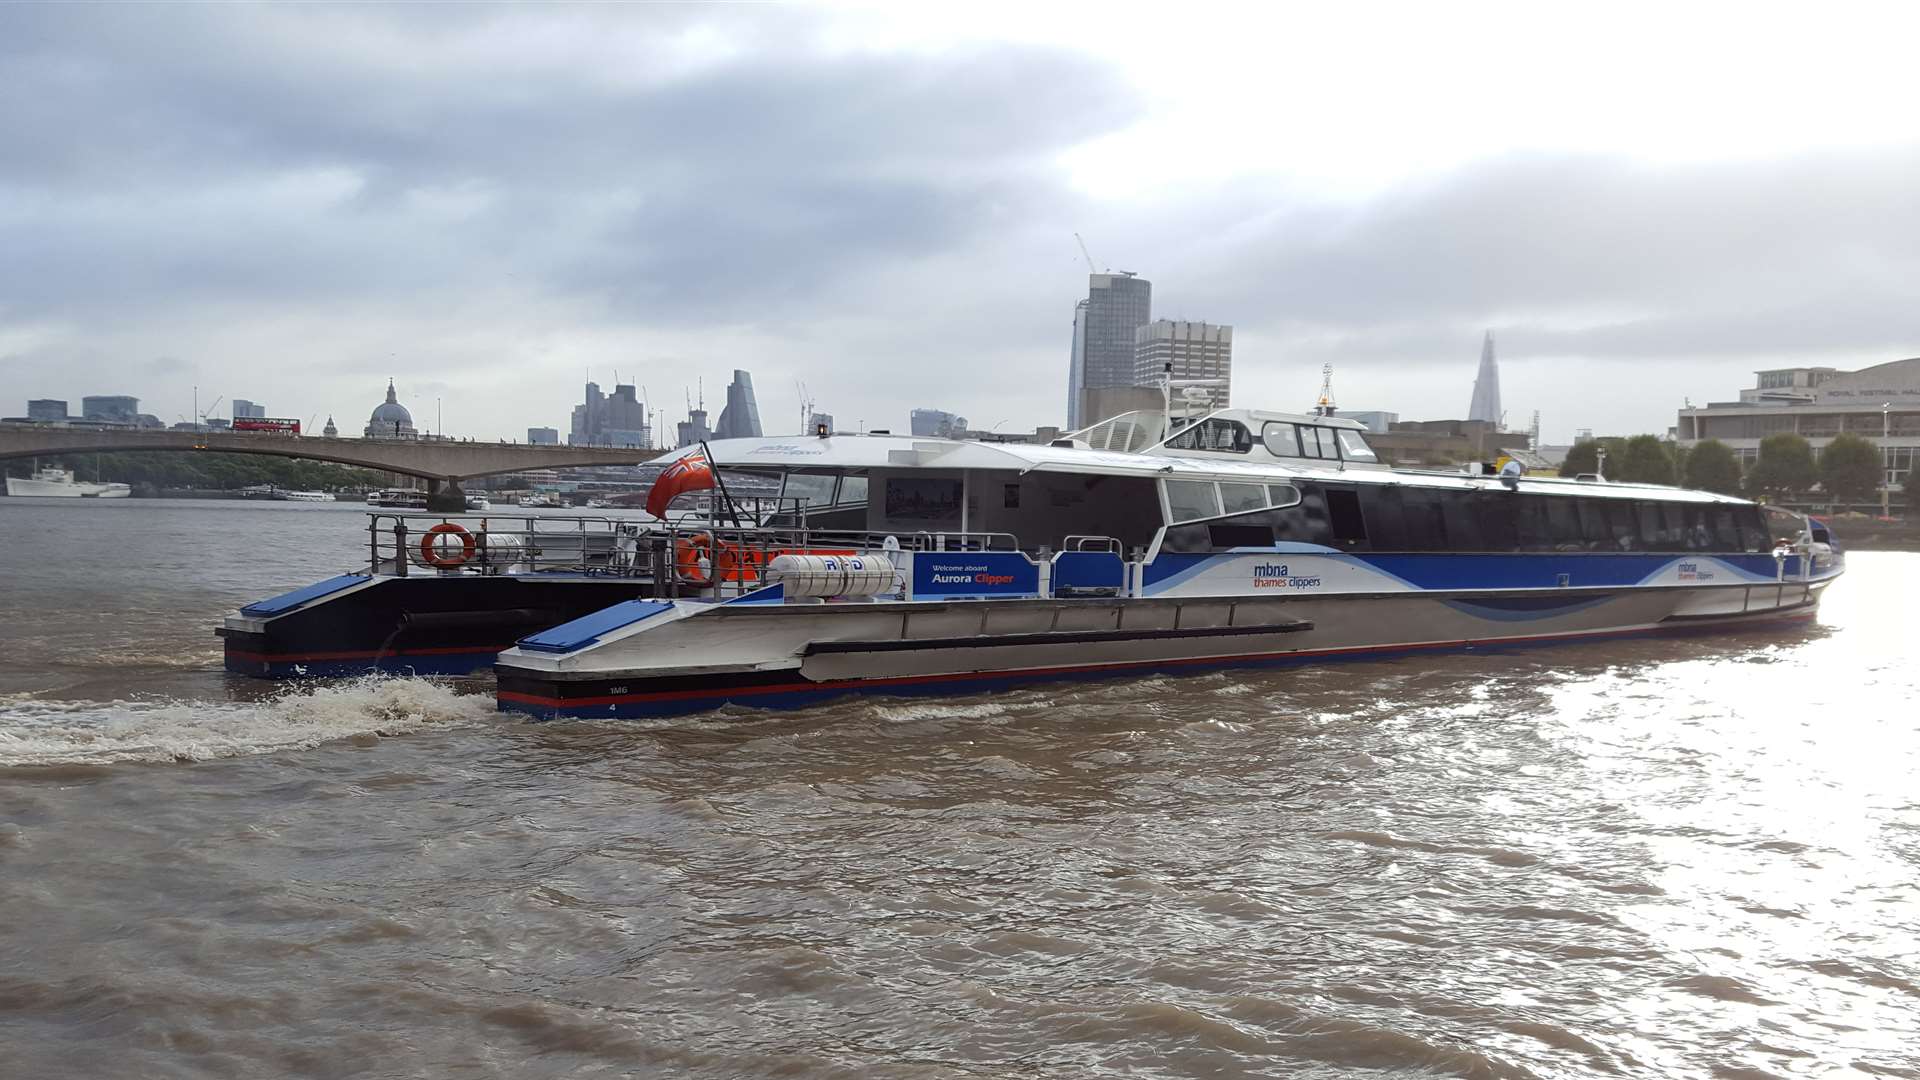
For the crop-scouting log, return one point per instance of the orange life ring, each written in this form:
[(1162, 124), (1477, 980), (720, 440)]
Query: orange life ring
[(687, 555), (430, 547)]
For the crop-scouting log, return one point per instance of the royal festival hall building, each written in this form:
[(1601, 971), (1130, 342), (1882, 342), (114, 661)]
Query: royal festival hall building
[(1880, 404)]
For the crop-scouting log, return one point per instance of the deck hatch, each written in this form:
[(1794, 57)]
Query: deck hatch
[(585, 630), (285, 602)]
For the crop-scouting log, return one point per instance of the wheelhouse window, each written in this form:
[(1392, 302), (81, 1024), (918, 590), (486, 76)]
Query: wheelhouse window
[(1280, 439), (815, 488), (1353, 446), (1220, 436)]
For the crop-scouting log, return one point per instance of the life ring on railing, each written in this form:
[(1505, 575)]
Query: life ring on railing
[(430, 546), (688, 553)]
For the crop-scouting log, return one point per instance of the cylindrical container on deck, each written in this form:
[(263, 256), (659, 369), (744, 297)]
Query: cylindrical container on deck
[(831, 575)]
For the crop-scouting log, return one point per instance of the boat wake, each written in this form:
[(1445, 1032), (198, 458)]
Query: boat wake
[(35, 732)]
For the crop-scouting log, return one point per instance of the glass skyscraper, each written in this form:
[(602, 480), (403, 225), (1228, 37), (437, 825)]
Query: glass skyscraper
[(1116, 307)]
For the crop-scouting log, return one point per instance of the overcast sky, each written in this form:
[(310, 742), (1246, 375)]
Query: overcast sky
[(291, 203)]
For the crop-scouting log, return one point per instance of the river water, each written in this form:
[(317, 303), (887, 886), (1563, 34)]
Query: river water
[(1687, 857)]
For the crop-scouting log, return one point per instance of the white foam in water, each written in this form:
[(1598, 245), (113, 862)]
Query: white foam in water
[(36, 732)]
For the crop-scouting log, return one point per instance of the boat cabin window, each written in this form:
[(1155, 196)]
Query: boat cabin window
[(1191, 500), (1222, 436), (1237, 498), (1397, 517), (1188, 500)]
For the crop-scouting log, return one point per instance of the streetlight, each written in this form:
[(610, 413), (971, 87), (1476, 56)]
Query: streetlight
[(1886, 474)]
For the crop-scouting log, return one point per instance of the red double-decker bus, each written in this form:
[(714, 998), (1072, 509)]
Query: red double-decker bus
[(275, 424)]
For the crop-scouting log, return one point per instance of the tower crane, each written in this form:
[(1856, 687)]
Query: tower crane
[(1084, 254)]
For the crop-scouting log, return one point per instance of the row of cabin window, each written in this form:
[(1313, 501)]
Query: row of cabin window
[(1427, 519), (1281, 439), (1189, 500)]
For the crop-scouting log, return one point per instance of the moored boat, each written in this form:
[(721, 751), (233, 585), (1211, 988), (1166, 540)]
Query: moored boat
[(53, 482)]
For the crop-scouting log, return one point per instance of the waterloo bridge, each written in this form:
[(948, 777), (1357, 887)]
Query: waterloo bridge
[(442, 463)]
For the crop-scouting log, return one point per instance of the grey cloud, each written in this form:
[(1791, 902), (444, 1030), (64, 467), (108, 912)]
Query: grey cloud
[(159, 178), (1593, 257)]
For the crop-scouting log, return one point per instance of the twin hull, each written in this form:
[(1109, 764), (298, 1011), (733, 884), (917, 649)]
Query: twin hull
[(690, 656)]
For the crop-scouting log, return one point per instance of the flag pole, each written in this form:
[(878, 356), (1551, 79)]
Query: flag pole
[(719, 483)]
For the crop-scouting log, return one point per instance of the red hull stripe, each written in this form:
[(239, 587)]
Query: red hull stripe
[(365, 654), (966, 676)]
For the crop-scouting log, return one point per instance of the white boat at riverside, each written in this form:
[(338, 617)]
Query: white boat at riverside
[(307, 496), (541, 500), (479, 502), (1146, 543), (53, 482)]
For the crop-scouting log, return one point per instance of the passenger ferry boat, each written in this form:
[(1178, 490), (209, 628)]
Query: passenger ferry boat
[(1143, 544), (912, 565)]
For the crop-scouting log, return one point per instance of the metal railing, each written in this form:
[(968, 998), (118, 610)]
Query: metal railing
[(690, 555)]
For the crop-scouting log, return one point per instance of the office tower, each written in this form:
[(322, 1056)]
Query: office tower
[(114, 408), (543, 436), (936, 424), (1117, 306), (247, 410), (741, 417), (1077, 365), (46, 409), (1186, 350), (616, 419), (1486, 386)]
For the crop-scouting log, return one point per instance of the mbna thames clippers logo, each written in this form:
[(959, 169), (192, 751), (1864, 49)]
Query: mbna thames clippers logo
[(1278, 576)]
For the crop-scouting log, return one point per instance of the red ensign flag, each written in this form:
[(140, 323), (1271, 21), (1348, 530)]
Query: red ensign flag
[(690, 473)]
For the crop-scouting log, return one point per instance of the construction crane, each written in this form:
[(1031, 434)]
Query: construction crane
[(806, 407), (1324, 407), (210, 408), (1084, 254)]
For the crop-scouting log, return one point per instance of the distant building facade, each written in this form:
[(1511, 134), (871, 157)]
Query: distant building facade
[(936, 424), (818, 420), (112, 408), (1372, 419), (331, 431), (1486, 387), (616, 419), (1117, 306), (543, 436), (247, 410), (1185, 350), (1105, 403), (740, 419), (47, 410), (390, 419), (694, 428), (1880, 404)]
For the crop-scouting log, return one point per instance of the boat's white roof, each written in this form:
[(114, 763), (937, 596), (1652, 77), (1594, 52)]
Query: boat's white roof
[(841, 452)]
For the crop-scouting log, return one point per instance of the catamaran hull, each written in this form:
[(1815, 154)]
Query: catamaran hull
[(357, 624), (785, 656)]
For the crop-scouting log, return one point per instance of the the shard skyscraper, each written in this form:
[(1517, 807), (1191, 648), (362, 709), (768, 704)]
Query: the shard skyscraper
[(1486, 387)]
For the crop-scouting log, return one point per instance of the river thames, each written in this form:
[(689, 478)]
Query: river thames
[(1658, 858)]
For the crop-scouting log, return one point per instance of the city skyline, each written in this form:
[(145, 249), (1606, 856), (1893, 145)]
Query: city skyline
[(486, 249)]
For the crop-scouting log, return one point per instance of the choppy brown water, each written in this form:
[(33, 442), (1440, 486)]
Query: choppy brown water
[(1686, 857)]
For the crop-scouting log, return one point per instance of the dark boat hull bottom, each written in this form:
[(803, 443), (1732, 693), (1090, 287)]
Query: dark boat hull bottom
[(419, 625)]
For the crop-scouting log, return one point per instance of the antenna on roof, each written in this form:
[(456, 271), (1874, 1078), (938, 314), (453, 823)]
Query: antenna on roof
[(1324, 407)]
